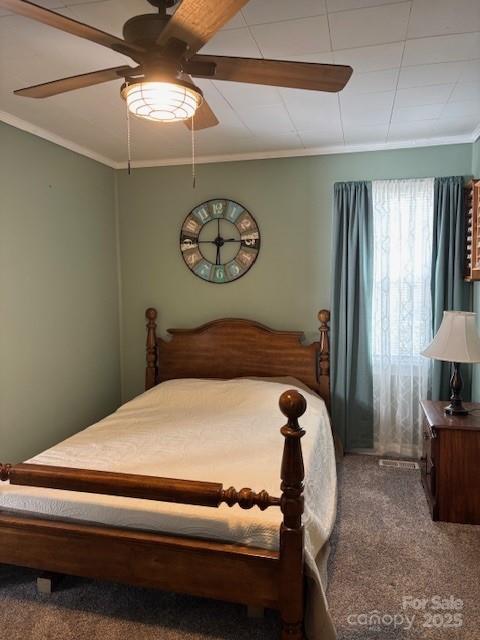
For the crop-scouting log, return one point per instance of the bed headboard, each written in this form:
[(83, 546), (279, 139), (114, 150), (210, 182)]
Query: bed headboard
[(233, 348)]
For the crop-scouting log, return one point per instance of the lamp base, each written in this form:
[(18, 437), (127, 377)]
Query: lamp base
[(456, 408), (452, 410)]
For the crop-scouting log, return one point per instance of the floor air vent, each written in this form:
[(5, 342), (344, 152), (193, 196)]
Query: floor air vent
[(399, 464)]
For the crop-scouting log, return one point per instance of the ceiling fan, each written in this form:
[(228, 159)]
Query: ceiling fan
[(164, 47)]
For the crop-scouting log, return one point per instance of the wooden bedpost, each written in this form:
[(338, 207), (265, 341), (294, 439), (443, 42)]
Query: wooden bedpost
[(324, 355), (5, 471), (151, 370), (292, 405)]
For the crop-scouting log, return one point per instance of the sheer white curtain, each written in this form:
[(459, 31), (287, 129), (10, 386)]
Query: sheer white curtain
[(402, 311)]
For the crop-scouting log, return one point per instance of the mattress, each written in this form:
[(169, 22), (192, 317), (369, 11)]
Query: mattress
[(225, 431)]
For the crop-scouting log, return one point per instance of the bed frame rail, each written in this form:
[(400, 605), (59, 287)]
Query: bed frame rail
[(180, 564), (206, 494)]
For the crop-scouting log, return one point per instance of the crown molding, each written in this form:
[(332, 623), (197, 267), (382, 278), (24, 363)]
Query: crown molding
[(296, 153), (236, 157), (18, 123), (476, 134)]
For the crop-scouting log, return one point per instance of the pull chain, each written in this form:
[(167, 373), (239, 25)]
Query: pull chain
[(193, 153), (129, 140)]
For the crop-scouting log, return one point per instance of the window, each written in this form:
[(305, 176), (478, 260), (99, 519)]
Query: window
[(402, 312)]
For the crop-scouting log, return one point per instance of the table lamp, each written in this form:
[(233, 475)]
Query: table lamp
[(456, 341)]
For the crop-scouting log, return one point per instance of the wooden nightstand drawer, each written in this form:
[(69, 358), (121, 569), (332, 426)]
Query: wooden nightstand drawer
[(427, 466)]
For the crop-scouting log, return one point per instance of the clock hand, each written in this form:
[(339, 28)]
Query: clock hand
[(217, 259), (214, 241)]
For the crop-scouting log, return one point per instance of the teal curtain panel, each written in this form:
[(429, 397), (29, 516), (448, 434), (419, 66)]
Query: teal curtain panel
[(352, 387), (449, 291)]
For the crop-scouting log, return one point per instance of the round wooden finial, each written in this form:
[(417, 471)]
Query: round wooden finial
[(324, 316), (151, 314), (292, 404)]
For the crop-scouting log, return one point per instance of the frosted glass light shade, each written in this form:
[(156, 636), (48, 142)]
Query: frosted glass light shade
[(456, 340), (162, 101)]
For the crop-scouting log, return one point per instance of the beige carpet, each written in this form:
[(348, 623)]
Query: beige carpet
[(385, 548)]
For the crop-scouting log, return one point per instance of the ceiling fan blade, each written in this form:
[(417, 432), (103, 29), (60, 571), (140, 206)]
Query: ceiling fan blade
[(278, 73), (74, 82), (56, 20), (196, 21), (204, 118)]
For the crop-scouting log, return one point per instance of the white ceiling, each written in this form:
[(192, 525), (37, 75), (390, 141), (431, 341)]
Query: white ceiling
[(416, 80)]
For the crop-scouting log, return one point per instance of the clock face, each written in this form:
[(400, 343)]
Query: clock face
[(219, 241)]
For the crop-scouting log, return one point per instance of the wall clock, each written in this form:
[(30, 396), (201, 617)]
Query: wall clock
[(219, 241)]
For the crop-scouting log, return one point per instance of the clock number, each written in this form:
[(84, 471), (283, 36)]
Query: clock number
[(191, 226), (192, 257), (203, 269), (217, 209), (219, 274), (187, 243), (233, 211), (250, 239), (246, 258), (202, 215), (233, 270), (245, 223)]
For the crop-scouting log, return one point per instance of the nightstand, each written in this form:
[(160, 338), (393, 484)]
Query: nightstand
[(450, 466)]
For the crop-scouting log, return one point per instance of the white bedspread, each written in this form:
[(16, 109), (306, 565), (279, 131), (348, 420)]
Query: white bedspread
[(215, 430)]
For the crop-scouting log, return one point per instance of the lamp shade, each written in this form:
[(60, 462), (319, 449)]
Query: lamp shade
[(456, 340)]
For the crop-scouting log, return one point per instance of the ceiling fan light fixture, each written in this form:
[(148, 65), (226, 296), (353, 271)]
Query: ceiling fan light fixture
[(162, 101)]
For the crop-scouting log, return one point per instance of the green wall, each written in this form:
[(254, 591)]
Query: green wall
[(291, 200), (59, 337)]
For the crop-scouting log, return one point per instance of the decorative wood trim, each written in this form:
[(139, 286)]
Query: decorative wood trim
[(324, 355), (292, 405), (151, 373), (246, 499), (472, 230)]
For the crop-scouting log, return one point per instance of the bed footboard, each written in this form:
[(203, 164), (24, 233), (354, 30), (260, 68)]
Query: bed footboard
[(254, 577)]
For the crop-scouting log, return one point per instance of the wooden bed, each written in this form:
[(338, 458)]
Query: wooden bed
[(227, 348)]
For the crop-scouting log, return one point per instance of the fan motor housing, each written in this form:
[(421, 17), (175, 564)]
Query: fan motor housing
[(144, 30), (163, 3)]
